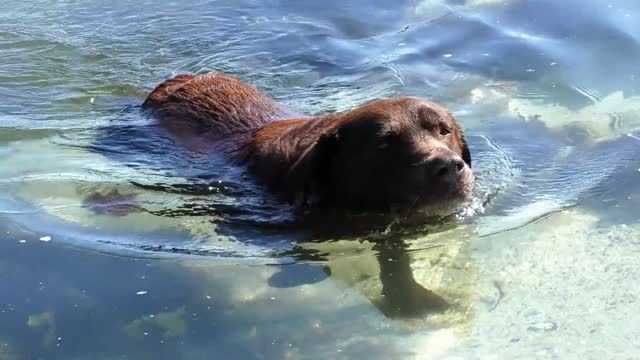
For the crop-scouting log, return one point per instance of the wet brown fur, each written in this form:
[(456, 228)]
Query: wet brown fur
[(288, 153)]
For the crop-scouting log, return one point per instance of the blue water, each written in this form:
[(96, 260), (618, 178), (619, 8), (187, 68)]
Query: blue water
[(118, 243)]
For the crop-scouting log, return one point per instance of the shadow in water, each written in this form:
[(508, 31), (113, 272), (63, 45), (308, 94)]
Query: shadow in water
[(402, 295), (385, 266), (376, 254), (333, 244)]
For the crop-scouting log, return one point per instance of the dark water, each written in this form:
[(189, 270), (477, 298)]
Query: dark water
[(118, 243)]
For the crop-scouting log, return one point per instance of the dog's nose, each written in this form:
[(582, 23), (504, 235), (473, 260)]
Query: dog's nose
[(446, 168)]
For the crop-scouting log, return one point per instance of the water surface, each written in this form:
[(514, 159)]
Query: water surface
[(118, 243)]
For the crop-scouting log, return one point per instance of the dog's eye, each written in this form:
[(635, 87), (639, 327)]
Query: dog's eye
[(444, 131)]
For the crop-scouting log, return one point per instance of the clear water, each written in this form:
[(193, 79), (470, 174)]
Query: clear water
[(117, 243)]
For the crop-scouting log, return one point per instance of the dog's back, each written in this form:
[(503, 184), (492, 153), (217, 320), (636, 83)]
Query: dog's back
[(215, 104)]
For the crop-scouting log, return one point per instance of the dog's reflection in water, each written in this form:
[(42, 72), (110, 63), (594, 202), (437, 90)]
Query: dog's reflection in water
[(423, 274), (425, 277)]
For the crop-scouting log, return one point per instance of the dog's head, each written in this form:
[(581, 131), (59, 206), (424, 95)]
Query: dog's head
[(401, 153)]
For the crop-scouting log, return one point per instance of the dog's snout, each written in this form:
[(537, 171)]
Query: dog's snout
[(443, 166), (442, 169), (446, 167), (459, 164)]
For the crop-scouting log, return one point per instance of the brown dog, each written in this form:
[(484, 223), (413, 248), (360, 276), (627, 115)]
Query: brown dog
[(400, 153)]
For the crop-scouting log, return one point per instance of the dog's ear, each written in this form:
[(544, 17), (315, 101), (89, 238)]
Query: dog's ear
[(309, 174), (466, 154)]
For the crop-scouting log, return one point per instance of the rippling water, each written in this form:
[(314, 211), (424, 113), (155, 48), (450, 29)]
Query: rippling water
[(120, 243)]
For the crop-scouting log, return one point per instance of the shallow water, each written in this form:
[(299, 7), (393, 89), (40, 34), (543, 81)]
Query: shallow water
[(118, 243)]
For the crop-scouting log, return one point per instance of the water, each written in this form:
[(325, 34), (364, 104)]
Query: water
[(160, 253)]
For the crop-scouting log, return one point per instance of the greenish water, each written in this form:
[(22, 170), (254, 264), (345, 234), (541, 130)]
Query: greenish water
[(118, 243)]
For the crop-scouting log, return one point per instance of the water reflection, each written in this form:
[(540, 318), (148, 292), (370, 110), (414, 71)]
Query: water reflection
[(381, 247), (62, 308)]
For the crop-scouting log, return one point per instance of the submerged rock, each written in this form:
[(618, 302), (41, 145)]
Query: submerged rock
[(46, 321), (171, 323)]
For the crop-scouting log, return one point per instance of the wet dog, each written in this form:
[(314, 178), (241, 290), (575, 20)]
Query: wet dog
[(400, 153)]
